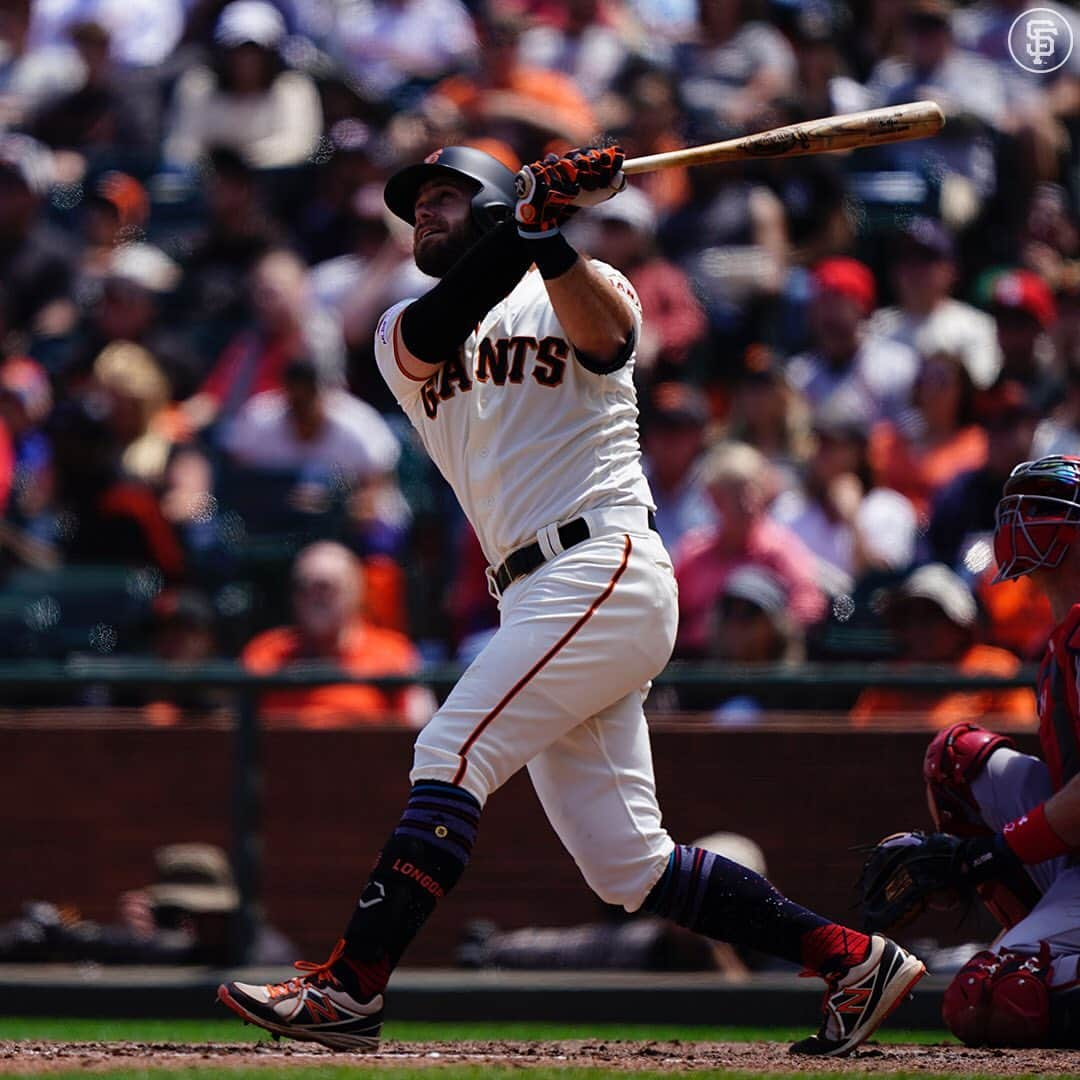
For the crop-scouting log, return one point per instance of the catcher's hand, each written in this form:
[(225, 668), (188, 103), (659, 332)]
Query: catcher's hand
[(551, 190), (905, 872)]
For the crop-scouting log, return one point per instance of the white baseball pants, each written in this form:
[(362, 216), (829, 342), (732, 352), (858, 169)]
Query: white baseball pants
[(1011, 784), (560, 689)]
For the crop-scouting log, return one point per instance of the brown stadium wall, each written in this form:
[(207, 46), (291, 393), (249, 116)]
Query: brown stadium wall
[(84, 807)]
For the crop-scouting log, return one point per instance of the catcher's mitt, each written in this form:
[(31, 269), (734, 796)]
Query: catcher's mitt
[(907, 872)]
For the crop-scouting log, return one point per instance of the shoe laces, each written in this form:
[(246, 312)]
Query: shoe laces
[(315, 974)]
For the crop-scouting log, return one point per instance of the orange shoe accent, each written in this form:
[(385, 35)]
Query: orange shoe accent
[(317, 974)]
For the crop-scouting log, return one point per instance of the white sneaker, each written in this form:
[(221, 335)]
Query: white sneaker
[(859, 1000), (312, 1007)]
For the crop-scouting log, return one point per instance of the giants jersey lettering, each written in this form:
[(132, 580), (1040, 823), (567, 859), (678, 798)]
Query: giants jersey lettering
[(1059, 700), (523, 433)]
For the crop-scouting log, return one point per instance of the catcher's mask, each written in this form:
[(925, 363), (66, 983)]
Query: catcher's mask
[(491, 181), (1038, 515)]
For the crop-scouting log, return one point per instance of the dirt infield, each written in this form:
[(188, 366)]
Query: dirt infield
[(45, 1057)]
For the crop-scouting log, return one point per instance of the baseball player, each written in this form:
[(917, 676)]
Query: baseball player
[(517, 371), (1010, 823)]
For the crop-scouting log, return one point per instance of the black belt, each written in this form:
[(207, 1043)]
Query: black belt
[(525, 560)]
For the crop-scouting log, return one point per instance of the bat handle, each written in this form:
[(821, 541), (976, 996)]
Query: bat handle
[(594, 198)]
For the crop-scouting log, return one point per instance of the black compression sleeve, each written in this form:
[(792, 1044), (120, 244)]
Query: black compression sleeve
[(434, 326)]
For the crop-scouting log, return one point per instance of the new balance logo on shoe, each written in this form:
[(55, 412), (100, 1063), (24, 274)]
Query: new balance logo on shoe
[(858, 1001)]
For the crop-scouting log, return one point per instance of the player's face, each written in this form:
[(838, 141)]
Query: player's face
[(444, 228)]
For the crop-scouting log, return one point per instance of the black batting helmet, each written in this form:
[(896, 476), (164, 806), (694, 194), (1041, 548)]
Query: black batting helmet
[(492, 202)]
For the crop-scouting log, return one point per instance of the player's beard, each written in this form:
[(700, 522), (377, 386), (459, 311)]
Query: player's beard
[(438, 255)]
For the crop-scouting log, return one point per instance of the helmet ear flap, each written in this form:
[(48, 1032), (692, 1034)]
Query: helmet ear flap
[(489, 214)]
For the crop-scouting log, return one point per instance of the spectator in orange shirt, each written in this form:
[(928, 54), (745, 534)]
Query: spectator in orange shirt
[(327, 593), (537, 103), (933, 617), (920, 453)]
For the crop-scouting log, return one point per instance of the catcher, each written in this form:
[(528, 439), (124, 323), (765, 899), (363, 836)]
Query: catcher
[(1008, 823)]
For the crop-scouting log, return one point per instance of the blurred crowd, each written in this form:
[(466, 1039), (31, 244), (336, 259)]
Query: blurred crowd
[(843, 355)]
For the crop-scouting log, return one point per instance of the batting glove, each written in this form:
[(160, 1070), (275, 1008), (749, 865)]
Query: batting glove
[(546, 191), (598, 168)]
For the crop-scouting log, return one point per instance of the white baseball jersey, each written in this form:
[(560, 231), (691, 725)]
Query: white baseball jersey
[(524, 434)]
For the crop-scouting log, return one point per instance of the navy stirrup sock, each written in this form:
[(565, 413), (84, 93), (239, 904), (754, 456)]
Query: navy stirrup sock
[(714, 896), (420, 864)]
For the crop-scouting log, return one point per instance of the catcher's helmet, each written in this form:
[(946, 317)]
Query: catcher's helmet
[(493, 199), (1037, 517)]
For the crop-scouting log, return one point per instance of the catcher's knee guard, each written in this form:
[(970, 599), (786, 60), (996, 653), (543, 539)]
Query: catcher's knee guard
[(1000, 999), (953, 759)]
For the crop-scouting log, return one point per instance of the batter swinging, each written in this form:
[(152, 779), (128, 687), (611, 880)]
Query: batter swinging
[(517, 372)]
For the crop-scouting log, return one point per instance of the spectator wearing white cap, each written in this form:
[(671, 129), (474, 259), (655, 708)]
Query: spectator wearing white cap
[(249, 101), (138, 278), (934, 620), (752, 622), (622, 232)]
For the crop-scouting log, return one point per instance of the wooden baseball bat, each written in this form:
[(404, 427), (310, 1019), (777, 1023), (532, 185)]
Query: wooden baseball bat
[(848, 131)]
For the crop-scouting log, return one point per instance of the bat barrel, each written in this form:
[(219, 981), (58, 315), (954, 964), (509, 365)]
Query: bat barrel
[(897, 123)]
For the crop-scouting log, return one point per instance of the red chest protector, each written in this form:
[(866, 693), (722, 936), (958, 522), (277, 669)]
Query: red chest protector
[(1059, 700)]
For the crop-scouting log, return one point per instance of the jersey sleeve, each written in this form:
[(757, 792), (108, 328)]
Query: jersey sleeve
[(402, 385), (625, 290)]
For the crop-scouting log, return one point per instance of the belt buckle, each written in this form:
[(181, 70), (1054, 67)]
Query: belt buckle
[(492, 584)]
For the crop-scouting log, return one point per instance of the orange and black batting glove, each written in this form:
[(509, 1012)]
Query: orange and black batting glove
[(598, 167), (546, 191)]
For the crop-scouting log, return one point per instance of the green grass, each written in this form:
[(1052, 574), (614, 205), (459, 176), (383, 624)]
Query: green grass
[(228, 1030)]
